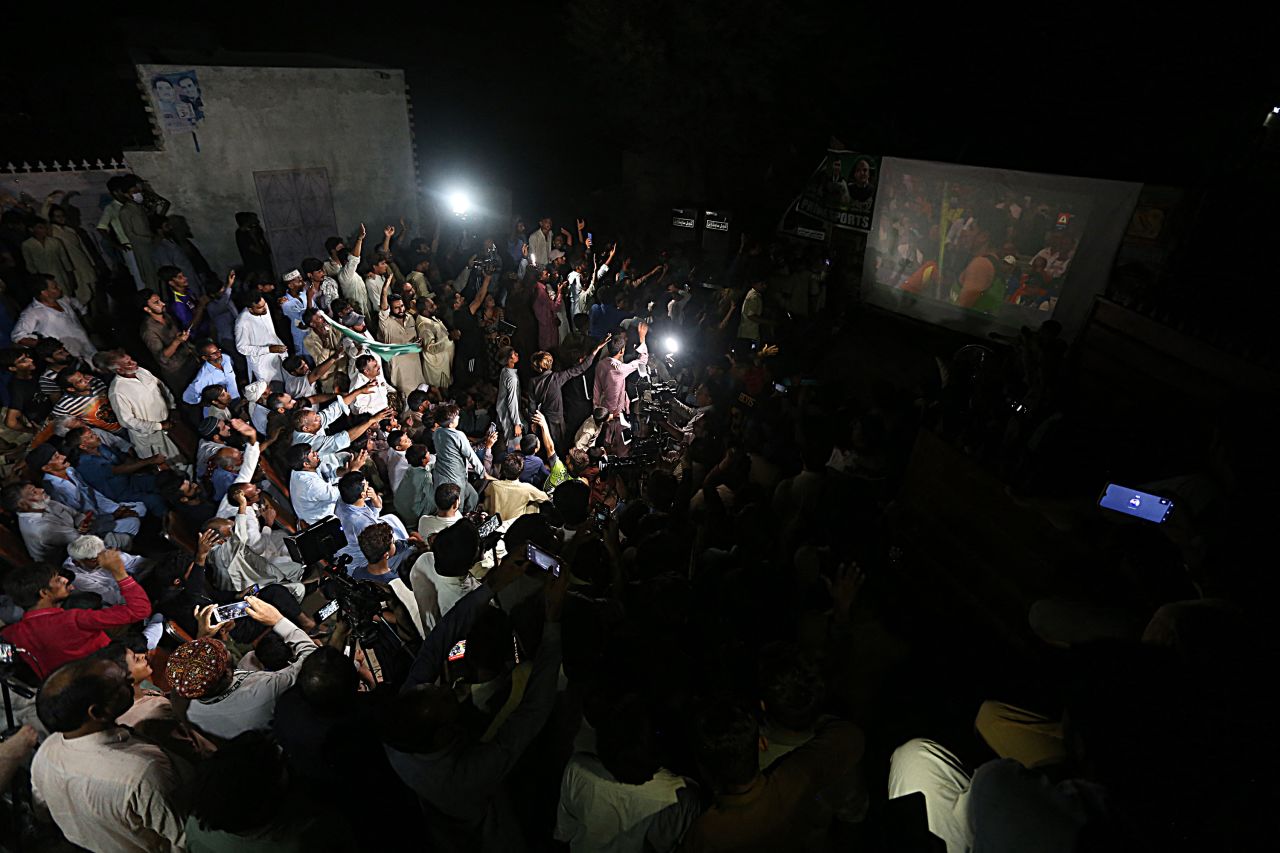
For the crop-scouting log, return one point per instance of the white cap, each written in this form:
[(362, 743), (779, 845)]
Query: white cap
[(291, 275), (254, 390)]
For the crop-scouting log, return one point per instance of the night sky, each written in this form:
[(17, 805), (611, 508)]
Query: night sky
[(571, 104)]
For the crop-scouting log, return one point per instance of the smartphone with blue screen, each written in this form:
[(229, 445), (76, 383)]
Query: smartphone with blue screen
[(1134, 503)]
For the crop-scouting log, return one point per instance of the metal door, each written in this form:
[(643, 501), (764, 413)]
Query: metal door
[(297, 214)]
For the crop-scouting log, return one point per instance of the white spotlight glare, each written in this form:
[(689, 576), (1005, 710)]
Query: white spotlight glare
[(459, 203), (671, 344)]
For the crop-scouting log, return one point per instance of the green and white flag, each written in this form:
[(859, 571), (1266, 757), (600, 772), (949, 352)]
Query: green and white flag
[(384, 351)]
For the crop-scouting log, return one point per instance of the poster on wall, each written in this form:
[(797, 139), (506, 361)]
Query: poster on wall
[(177, 101), (840, 194), (988, 248)]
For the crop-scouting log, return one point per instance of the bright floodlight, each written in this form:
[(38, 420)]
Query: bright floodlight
[(459, 202), (671, 344)]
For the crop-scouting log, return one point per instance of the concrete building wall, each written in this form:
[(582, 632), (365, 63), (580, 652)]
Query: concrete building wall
[(352, 122)]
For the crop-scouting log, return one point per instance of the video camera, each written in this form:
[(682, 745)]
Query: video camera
[(488, 262), (360, 603)]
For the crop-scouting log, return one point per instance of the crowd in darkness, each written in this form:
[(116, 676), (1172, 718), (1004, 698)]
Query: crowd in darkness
[(606, 532)]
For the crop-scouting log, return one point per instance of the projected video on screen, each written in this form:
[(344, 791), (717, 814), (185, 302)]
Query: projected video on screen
[(946, 245)]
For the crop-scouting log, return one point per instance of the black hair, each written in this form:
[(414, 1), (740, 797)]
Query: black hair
[(296, 456), (512, 466), (133, 641), (447, 495), (416, 398), (25, 583), (351, 486), (455, 548), (625, 741), (218, 801), (209, 393), (394, 436), (375, 541), (166, 274), (327, 679), (727, 743), (275, 400), (9, 357), (417, 455), (63, 377), (331, 243), (617, 343), (532, 527), (573, 499), (294, 361), (364, 361), (146, 293), (791, 687), (273, 652), (529, 444)]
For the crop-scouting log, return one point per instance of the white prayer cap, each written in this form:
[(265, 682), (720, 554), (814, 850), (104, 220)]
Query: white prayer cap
[(86, 548), (291, 275), (254, 390)]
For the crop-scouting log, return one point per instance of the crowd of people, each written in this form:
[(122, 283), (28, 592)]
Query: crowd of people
[(520, 544)]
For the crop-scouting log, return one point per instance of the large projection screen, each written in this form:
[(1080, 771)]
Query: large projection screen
[(989, 250)]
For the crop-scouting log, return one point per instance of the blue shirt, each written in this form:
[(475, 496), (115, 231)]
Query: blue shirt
[(292, 307), (313, 495), (606, 318), (209, 375), (327, 446), (535, 471)]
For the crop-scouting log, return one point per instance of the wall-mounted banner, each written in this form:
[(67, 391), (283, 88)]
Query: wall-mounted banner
[(177, 101)]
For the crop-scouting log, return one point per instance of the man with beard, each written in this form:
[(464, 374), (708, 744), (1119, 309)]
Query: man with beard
[(395, 326), (257, 341)]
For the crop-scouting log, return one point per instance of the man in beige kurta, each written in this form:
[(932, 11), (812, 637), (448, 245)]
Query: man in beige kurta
[(437, 347), (395, 326)]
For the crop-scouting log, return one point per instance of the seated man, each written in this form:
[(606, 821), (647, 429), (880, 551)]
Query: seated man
[(48, 636), (120, 521), (535, 471), (216, 368), (186, 497), (359, 506), (229, 701), (122, 477), (242, 556), (179, 588), (105, 788), (313, 485), (84, 560), (232, 466), (48, 527), (509, 497), (214, 435)]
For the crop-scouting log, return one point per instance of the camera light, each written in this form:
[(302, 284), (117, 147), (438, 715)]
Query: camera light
[(671, 344), (459, 203)]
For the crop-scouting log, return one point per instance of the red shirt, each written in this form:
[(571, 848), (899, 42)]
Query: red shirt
[(53, 636)]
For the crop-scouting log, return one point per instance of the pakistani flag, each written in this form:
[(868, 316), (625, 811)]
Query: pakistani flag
[(384, 351)]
